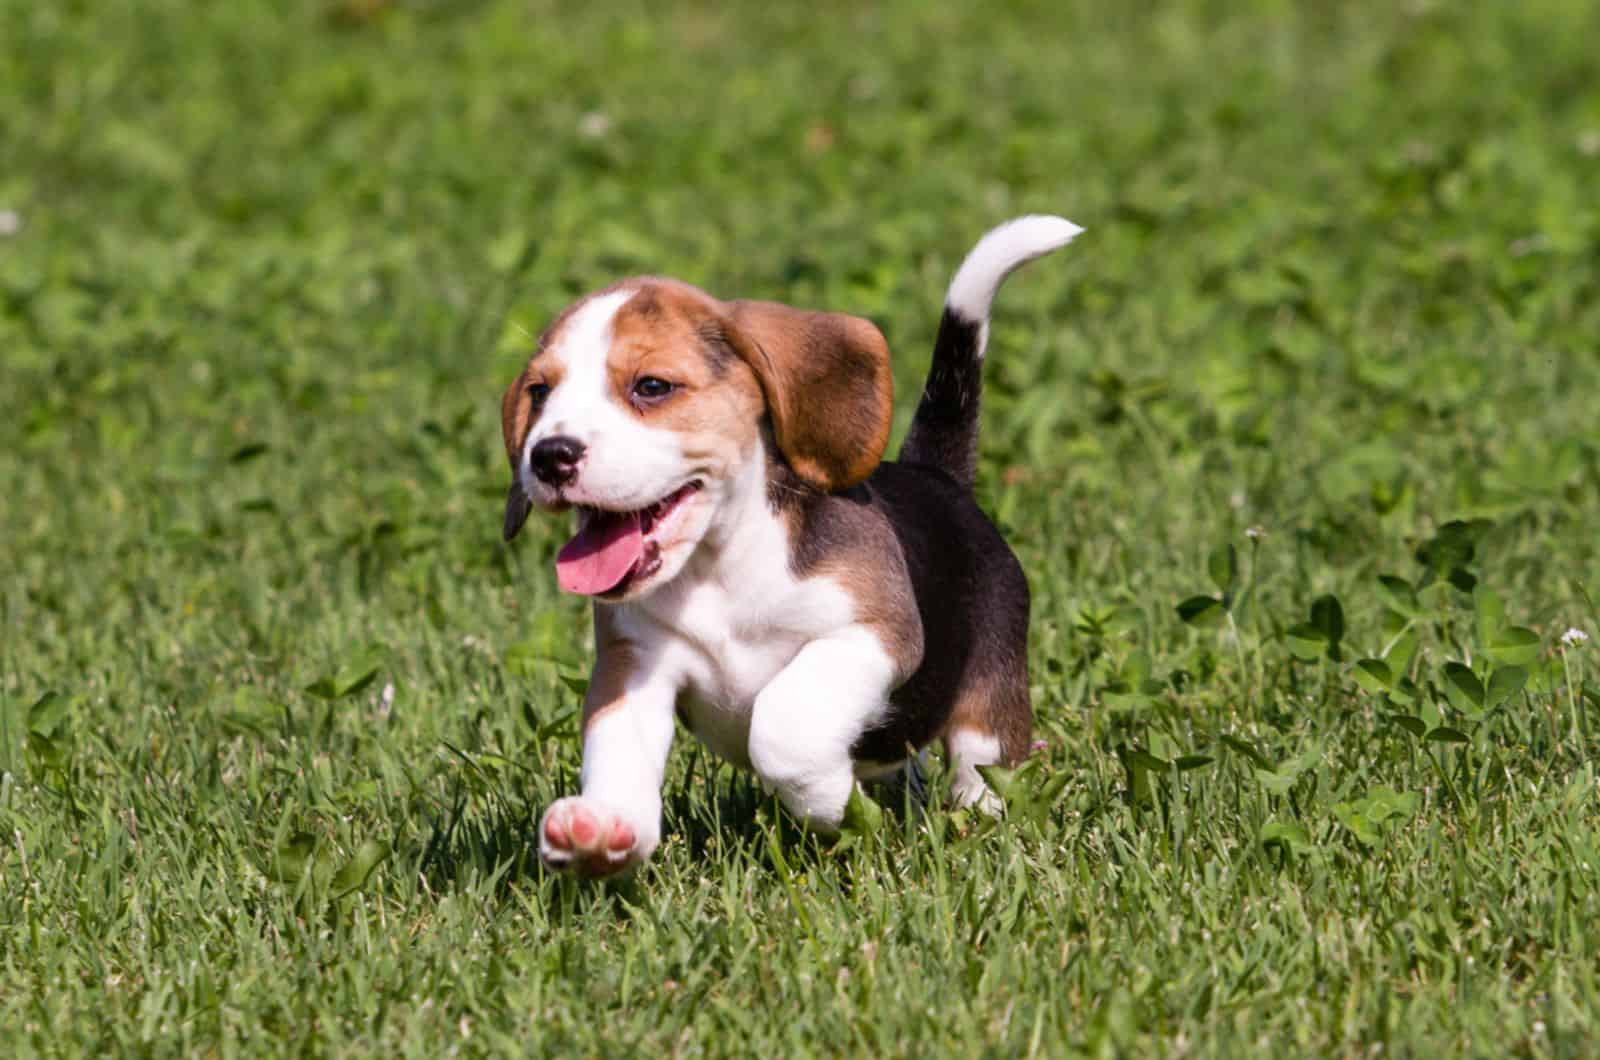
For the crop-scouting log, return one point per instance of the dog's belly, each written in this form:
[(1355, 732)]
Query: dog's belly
[(724, 732)]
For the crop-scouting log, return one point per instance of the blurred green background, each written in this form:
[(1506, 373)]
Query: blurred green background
[(266, 267)]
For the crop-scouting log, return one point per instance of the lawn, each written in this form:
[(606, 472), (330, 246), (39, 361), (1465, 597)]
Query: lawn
[(1298, 444)]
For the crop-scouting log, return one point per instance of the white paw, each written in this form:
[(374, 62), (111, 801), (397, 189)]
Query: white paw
[(580, 834), (974, 793)]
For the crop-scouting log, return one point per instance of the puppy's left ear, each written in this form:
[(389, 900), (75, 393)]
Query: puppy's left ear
[(517, 508), (828, 387), (516, 416)]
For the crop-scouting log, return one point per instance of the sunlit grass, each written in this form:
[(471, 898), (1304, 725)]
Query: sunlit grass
[(1297, 443)]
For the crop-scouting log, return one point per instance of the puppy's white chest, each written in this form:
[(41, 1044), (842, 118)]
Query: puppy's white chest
[(730, 648), (727, 646), (722, 683)]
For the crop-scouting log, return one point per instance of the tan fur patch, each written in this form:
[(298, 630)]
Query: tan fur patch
[(883, 603), (615, 658), (674, 332), (851, 545), (517, 415), (997, 709)]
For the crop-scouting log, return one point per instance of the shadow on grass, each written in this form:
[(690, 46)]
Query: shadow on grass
[(720, 813), (499, 844)]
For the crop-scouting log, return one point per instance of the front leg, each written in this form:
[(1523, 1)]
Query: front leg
[(627, 731), (808, 717)]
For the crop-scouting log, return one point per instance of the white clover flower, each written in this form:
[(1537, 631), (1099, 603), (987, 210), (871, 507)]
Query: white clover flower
[(594, 125), (1255, 533), (10, 222), (1521, 248), (1573, 636)]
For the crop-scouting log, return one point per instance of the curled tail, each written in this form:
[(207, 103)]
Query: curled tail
[(944, 432)]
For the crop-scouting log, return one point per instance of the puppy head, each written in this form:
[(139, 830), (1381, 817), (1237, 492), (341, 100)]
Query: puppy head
[(645, 401)]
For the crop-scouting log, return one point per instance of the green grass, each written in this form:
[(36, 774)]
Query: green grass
[(275, 262)]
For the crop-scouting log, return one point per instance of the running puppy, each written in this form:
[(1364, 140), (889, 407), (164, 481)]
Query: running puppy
[(809, 611)]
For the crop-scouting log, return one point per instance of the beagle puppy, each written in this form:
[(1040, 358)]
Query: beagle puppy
[(758, 572)]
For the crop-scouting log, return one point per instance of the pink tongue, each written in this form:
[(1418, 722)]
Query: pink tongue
[(602, 554)]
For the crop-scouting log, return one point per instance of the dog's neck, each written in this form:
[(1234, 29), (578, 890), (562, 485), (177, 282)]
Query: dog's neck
[(746, 533), (742, 560)]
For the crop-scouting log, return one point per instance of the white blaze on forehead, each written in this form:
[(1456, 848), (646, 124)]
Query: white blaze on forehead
[(581, 349)]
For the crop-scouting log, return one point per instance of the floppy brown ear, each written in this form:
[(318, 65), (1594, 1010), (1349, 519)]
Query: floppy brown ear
[(827, 384), (515, 419)]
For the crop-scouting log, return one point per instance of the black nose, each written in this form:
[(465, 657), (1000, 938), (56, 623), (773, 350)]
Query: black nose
[(555, 459)]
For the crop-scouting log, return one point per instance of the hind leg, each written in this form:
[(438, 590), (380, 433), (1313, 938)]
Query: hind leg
[(967, 749), (991, 725)]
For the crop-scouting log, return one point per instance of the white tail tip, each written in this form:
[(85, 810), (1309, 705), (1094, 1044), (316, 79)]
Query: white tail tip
[(998, 254)]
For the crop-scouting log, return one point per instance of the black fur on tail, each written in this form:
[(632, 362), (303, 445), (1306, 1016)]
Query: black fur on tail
[(944, 432)]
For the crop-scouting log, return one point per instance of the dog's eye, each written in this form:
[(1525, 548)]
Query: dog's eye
[(649, 388), (537, 392)]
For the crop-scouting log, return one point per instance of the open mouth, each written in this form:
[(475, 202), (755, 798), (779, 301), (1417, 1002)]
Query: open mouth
[(612, 550)]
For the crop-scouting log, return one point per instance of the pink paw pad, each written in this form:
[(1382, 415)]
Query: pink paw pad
[(588, 838)]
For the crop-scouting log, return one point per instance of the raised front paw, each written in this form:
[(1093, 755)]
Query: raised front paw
[(581, 835)]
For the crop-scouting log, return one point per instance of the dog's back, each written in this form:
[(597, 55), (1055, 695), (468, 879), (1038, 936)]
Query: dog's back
[(970, 687)]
